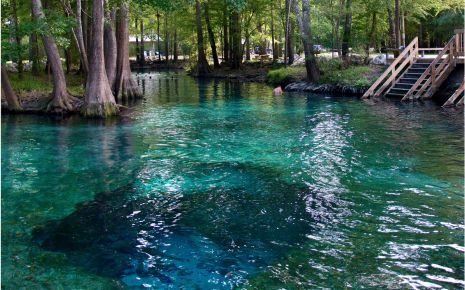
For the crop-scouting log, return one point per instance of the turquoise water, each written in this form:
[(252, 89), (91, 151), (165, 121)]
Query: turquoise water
[(217, 185)]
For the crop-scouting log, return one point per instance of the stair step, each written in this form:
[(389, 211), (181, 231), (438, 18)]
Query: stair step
[(412, 75), (395, 95), (425, 60), (415, 70), (398, 91), (408, 80), (423, 65), (403, 86), (407, 84)]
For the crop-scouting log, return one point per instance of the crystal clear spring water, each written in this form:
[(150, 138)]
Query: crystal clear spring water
[(217, 185)]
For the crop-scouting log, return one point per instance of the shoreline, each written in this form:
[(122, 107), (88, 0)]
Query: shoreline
[(35, 102), (325, 88)]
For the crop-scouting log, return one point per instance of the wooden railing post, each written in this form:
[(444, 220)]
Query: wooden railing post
[(457, 47)]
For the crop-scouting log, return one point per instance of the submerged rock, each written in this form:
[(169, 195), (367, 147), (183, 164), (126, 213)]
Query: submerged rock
[(223, 234)]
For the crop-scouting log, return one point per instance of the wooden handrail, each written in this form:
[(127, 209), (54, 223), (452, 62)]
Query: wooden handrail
[(455, 96), (430, 71), (409, 53), (430, 48)]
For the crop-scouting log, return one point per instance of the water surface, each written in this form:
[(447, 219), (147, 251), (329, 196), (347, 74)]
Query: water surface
[(218, 185)]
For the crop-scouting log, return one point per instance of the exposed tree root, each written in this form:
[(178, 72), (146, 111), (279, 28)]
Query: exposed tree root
[(63, 103)]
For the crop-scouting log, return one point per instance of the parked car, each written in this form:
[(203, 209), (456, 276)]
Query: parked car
[(318, 48)]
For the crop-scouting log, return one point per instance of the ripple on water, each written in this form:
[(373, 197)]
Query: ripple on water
[(213, 184)]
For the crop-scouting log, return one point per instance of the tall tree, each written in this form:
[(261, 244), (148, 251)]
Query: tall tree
[(236, 56), (167, 51), (98, 100), (402, 25), (61, 101), (225, 35), (336, 29), (289, 33), (109, 44), (10, 96), (175, 45), (80, 38), (211, 37), (313, 73), (34, 53), (397, 22), (202, 64), (125, 85), (142, 48), (158, 36), (392, 32), (17, 38), (273, 44), (346, 37), (372, 38)]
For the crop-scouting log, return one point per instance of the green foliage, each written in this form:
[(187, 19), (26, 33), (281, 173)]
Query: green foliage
[(58, 26), (286, 75), (332, 72), (43, 84), (351, 76)]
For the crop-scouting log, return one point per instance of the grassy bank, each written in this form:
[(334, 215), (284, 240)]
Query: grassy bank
[(42, 85), (332, 72)]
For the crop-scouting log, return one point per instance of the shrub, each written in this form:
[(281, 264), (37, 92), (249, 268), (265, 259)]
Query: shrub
[(286, 75), (332, 72)]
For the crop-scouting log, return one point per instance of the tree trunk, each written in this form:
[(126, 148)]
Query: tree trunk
[(347, 34), (202, 64), (125, 85), (68, 60), (336, 29), (17, 38), (402, 24), (230, 39), (175, 46), (99, 100), (420, 35), (137, 42), (109, 44), (89, 25), (142, 48), (273, 44), (34, 54), (211, 37), (392, 33), (85, 22), (372, 42), (61, 101), (286, 30), (158, 36), (225, 36), (247, 44), (167, 51), (236, 57), (313, 73), (80, 38), (10, 96), (397, 23)]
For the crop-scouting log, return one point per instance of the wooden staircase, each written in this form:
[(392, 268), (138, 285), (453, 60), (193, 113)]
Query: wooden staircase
[(412, 76), (409, 78)]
